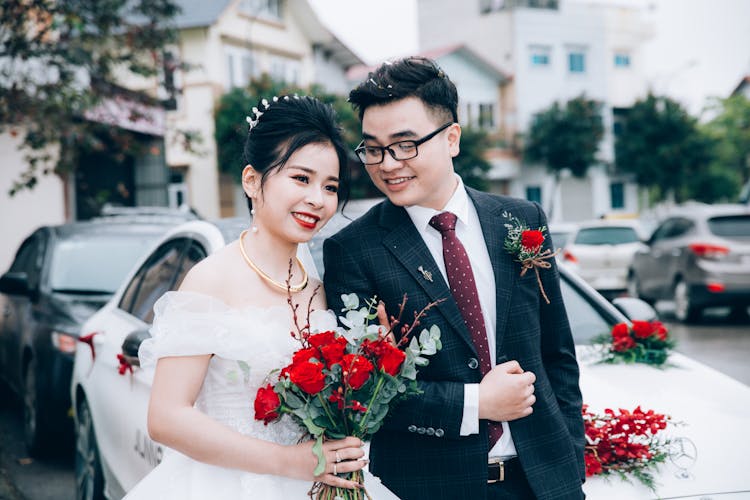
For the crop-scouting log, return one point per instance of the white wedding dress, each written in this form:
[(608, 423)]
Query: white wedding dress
[(247, 344)]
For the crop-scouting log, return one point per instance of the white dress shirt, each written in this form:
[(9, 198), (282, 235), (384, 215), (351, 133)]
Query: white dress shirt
[(469, 231)]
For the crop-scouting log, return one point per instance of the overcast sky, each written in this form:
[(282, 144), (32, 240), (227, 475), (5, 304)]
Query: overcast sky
[(701, 47)]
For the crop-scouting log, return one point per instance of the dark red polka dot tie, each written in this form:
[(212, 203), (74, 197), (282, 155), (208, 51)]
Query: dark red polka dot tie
[(464, 290)]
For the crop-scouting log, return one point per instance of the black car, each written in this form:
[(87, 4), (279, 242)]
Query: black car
[(60, 276)]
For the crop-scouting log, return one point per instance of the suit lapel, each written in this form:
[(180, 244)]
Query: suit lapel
[(407, 246), (494, 232)]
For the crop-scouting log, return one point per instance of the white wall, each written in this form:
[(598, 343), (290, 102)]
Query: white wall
[(27, 210)]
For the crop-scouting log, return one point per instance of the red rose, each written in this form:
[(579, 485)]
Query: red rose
[(623, 344), (356, 370), (308, 376), (532, 239), (305, 355), (661, 330), (390, 359), (267, 404), (321, 339), (642, 329), (333, 352), (620, 330)]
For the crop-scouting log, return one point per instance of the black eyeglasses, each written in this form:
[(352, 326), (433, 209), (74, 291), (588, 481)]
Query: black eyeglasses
[(400, 150)]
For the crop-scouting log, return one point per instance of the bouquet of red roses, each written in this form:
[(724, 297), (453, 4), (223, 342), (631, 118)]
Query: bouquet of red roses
[(625, 443), (343, 383), (642, 342)]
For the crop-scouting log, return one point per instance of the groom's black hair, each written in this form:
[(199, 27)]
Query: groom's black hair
[(286, 124), (409, 77)]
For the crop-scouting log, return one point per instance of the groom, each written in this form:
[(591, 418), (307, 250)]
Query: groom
[(500, 412)]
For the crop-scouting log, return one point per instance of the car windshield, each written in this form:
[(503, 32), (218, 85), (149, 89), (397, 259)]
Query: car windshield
[(586, 322), (94, 265), (606, 236), (737, 226)]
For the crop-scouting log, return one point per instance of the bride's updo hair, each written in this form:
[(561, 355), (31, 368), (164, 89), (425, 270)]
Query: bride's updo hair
[(282, 125)]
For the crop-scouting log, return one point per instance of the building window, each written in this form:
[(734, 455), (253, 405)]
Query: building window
[(622, 60), (617, 195), (487, 116), (488, 6), (241, 67), (534, 193), (262, 8), (540, 55), (577, 61)]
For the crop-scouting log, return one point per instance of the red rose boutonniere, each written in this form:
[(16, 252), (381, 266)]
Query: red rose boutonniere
[(526, 245)]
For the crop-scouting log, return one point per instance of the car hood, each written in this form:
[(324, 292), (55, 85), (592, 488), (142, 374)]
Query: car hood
[(714, 412)]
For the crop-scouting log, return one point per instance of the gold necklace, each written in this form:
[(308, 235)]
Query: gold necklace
[(282, 286)]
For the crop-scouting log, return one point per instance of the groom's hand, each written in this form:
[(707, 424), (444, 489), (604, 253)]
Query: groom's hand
[(506, 393)]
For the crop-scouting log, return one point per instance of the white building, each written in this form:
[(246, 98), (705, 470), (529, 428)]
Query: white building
[(553, 51)]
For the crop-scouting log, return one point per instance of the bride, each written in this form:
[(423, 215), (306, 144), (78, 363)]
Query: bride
[(216, 339)]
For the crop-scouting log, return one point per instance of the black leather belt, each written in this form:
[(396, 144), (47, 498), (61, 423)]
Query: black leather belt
[(499, 470)]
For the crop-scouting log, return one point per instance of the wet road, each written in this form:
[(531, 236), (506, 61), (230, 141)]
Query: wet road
[(717, 341)]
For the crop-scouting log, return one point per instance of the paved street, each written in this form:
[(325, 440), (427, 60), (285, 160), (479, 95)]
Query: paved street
[(717, 341)]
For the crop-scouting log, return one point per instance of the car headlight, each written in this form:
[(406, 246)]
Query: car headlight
[(64, 342)]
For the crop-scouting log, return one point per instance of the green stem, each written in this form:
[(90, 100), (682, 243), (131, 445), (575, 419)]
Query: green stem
[(362, 426), (325, 407)]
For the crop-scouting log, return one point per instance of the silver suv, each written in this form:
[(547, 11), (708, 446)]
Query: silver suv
[(699, 256)]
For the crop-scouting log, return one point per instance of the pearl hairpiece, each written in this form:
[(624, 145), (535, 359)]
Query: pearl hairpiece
[(256, 113)]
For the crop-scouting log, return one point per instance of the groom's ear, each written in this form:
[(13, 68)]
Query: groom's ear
[(250, 181), (453, 136)]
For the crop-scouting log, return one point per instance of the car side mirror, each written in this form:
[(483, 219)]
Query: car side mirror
[(15, 283), (634, 308), (131, 344)]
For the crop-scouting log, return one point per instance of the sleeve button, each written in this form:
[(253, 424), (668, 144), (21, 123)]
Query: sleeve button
[(430, 431), (412, 428), (473, 363), (439, 433), (421, 430)]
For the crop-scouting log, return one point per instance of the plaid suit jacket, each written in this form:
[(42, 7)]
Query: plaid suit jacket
[(419, 453)]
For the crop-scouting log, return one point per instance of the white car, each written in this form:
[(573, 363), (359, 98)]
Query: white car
[(601, 252), (114, 451)]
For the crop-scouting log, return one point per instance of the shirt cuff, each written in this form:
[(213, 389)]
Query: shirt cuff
[(470, 421)]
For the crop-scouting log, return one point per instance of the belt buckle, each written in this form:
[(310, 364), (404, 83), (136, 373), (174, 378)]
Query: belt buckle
[(501, 466)]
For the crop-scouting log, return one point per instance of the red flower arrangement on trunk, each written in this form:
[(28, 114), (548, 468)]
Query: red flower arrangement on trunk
[(642, 342), (344, 383), (625, 442)]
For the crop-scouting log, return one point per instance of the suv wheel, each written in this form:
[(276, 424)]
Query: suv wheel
[(684, 310), (88, 468), (34, 426)]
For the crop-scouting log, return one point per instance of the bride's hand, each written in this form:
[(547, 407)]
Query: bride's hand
[(342, 455)]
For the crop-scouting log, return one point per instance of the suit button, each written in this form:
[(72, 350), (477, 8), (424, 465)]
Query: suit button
[(430, 431), (421, 430), (412, 428), (439, 433), (473, 363)]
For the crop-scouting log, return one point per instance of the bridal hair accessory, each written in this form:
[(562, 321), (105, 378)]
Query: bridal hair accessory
[(526, 245), (257, 113), (282, 286)]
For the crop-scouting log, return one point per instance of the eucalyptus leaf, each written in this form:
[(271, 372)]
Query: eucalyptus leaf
[(317, 450)]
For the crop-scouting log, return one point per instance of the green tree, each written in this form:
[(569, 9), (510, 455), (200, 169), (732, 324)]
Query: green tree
[(61, 58), (471, 163), (730, 129), (662, 145), (566, 137)]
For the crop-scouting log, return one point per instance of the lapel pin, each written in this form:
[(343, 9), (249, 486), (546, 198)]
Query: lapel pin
[(425, 274)]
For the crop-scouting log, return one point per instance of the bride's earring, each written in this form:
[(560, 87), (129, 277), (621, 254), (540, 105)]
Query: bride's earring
[(254, 228)]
